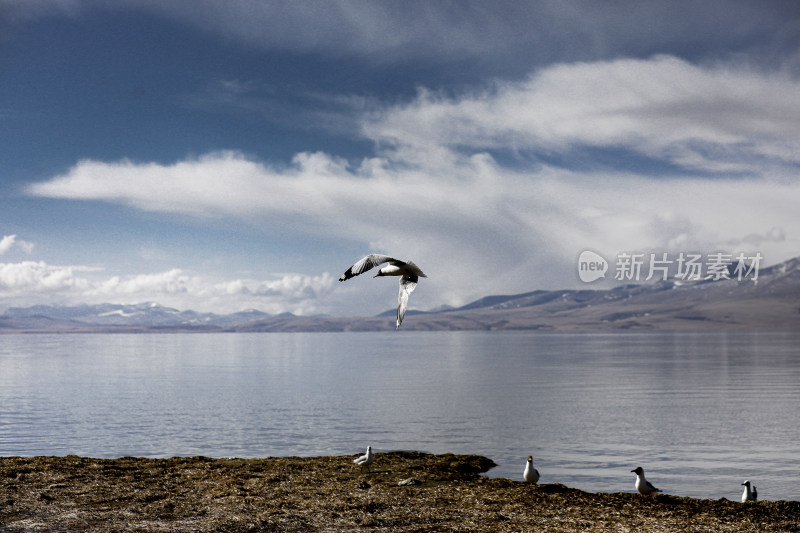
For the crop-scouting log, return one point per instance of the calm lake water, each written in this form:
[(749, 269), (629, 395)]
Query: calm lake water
[(701, 412)]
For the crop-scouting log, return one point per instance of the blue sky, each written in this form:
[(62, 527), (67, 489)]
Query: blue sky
[(221, 156)]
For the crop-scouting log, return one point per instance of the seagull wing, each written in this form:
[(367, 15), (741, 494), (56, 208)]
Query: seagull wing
[(411, 267), (407, 285), (367, 263), (651, 487)]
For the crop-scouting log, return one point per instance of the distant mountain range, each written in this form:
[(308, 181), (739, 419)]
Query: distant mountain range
[(111, 317), (771, 302)]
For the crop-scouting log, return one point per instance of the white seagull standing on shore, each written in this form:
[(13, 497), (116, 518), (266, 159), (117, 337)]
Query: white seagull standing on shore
[(366, 459), (530, 474), (642, 485), (409, 272), (749, 494)]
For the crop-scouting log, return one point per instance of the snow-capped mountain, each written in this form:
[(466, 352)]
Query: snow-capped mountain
[(144, 314)]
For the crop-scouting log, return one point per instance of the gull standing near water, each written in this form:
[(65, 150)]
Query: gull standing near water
[(366, 459), (750, 494), (530, 474), (409, 272), (642, 485)]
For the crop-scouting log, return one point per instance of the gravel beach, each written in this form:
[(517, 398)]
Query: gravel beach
[(405, 491)]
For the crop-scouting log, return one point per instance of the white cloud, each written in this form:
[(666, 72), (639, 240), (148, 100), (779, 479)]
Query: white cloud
[(79, 284), (296, 293), (171, 282), (26, 246), (477, 225), (515, 226), (8, 241), (37, 276), (705, 119), (220, 183)]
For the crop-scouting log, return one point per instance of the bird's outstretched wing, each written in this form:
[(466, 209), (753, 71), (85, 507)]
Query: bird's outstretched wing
[(367, 263), (407, 285), (410, 266)]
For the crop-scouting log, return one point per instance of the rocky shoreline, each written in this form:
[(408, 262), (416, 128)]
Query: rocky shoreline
[(405, 491)]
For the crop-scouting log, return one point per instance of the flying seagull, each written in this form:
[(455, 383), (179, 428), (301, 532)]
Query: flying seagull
[(642, 485), (530, 474), (366, 459), (750, 494), (409, 272)]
